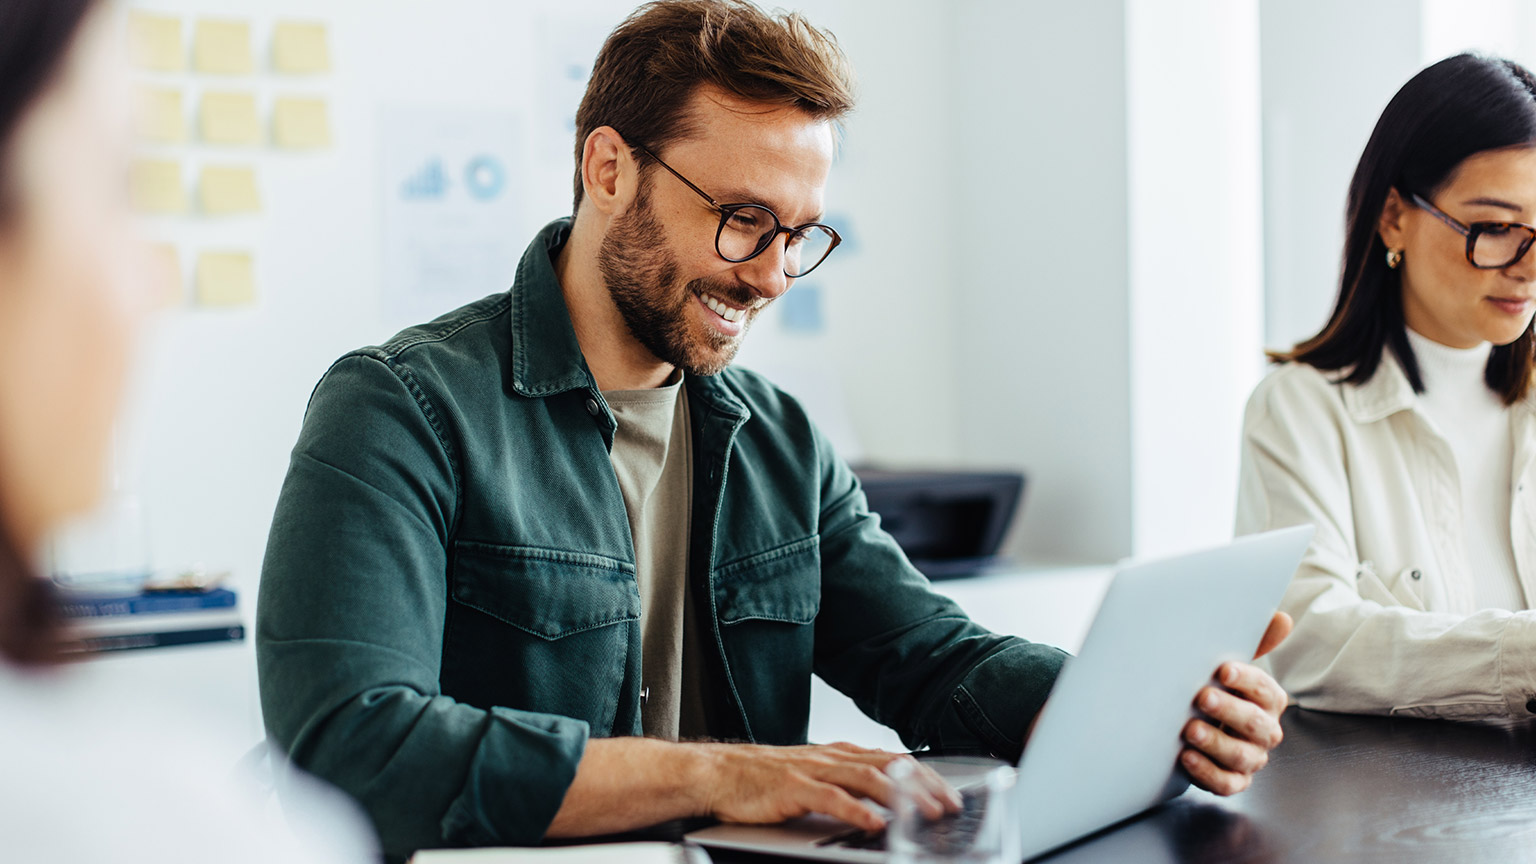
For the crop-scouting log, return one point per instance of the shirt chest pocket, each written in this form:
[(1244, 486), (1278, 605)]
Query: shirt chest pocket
[(780, 585), (539, 629), (767, 605)]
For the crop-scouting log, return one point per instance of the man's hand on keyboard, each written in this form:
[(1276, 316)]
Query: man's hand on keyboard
[(751, 783)]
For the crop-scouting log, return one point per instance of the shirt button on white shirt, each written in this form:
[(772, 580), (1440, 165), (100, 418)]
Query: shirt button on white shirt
[(1475, 424)]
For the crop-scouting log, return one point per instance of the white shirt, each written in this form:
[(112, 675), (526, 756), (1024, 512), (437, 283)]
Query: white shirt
[(147, 786), (1475, 423), (1388, 618)]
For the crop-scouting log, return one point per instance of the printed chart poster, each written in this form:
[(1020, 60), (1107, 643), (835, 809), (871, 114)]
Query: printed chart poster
[(567, 49), (453, 225)]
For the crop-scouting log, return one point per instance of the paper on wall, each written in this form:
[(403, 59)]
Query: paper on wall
[(154, 186), (222, 47), (154, 42), (229, 119), (228, 189), (454, 227), (301, 123), (158, 115), (300, 48), (225, 279), (567, 48), (165, 274)]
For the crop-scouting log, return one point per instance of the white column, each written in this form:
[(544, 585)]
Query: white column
[(1328, 70), (1039, 122), (1195, 261)]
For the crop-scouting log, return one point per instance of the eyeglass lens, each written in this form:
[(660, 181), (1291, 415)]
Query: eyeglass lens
[(748, 229), (1499, 245)]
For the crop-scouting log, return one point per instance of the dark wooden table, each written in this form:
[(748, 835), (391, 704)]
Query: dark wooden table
[(1344, 788)]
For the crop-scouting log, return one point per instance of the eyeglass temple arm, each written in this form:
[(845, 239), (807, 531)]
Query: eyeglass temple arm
[(1441, 215), (673, 171)]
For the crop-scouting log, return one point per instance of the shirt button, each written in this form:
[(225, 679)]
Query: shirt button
[(645, 695), (592, 407), (1417, 574)]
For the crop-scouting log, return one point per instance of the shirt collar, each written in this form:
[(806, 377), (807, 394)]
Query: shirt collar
[(1389, 392), (1385, 394), (1527, 404), (546, 358)]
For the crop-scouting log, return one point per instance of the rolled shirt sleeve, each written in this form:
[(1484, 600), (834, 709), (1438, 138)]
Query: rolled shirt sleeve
[(909, 657)]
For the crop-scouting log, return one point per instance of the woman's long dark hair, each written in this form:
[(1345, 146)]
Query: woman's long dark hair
[(1459, 107), (35, 37)]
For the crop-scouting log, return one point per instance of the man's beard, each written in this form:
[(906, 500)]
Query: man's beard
[(642, 278)]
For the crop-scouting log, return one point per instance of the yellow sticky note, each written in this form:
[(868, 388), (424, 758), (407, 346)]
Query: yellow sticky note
[(159, 116), (222, 47), (225, 279), (165, 272), (301, 124), (155, 186), (229, 118), (225, 189), (300, 48), (154, 42)]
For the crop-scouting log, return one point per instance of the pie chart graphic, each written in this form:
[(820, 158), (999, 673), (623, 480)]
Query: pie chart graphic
[(484, 177)]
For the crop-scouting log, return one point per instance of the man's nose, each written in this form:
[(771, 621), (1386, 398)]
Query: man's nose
[(765, 273)]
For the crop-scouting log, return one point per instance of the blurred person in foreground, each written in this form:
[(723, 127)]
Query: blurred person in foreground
[(1406, 429), (537, 561), (77, 786)]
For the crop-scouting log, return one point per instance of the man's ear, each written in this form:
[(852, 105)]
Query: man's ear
[(1390, 225), (608, 170)]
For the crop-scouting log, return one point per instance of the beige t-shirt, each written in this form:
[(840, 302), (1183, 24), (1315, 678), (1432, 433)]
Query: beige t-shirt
[(652, 459)]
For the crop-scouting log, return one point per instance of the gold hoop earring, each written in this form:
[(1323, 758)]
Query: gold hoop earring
[(1394, 258)]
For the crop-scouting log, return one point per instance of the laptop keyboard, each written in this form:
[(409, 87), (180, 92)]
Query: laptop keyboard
[(949, 834)]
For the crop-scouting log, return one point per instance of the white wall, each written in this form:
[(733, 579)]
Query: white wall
[(1109, 293), (218, 402), (1195, 262), (1022, 180), (1328, 69), (1039, 142), (890, 345), (1503, 27)]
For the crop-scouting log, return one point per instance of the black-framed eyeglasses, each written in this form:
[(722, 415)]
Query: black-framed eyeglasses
[(1490, 245), (747, 230)]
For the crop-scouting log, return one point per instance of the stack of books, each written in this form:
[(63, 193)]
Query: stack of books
[(99, 624)]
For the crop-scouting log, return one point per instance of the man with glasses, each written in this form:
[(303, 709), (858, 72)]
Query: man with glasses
[(533, 559)]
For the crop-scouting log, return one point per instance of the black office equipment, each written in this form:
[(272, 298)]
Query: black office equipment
[(950, 523)]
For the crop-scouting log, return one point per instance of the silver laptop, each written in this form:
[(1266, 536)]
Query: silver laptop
[(1107, 743)]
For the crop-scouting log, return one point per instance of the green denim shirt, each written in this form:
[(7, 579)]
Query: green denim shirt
[(448, 607)]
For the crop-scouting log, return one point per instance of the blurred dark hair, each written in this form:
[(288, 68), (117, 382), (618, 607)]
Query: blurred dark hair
[(35, 37), (1459, 107)]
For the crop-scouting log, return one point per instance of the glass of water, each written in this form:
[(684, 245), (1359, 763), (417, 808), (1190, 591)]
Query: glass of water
[(985, 831)]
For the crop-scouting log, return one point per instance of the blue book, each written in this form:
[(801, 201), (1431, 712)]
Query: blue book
[(132, 641), (75, 605)]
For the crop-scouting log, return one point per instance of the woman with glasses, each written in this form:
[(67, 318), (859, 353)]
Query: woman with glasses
[(79, 783), (1406, 429)]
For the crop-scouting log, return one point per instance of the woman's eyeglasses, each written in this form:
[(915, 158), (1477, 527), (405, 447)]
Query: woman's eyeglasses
[(1490, 245)]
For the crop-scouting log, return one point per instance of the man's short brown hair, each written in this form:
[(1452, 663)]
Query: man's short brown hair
[(653, 63)]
